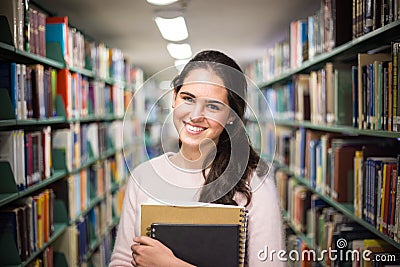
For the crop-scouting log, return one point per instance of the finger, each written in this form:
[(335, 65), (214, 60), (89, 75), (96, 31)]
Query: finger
[(135, 248), (145, 240)]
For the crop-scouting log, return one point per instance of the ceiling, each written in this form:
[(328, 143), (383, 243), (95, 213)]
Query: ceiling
[(241, 29)]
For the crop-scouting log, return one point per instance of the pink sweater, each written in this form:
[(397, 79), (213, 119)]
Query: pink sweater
[(158, 179)]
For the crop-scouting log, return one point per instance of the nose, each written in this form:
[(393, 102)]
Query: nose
[(197, 113)]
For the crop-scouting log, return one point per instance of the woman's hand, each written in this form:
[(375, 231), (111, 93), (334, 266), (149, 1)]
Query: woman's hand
[(151, 252)]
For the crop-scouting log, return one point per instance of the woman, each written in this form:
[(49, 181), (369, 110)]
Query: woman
[(215, 163)]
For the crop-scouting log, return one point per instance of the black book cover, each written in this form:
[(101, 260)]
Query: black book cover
[(203, 245)]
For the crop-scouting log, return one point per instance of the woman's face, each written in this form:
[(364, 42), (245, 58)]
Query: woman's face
[(201, 108)]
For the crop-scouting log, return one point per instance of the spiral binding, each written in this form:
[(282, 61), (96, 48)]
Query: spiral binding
[(243, 237), (150, 232)]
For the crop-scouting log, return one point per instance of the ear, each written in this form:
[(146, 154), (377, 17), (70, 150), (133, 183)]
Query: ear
[(173, 100), (231, 119)]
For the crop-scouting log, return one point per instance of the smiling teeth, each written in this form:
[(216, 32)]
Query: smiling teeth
[(193, 128)]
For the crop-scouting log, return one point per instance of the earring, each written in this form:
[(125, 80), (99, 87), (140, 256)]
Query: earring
[(230, 122)]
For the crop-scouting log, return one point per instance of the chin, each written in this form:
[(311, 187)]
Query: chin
[(190, 142)]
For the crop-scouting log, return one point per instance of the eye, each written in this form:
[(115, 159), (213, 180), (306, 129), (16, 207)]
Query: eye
[(188, 99), (213, 107)]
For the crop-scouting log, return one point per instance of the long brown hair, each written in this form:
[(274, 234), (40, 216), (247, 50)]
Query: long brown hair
[(235, 159)]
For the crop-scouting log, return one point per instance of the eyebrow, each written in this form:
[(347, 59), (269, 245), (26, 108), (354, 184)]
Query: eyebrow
[(187, 93), (212, 101)]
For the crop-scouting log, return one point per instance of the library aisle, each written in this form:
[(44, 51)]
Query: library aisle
[(334, 136), (72, 126)]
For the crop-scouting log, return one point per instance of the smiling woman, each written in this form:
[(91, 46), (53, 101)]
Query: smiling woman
[(215, 158), (201, 111)]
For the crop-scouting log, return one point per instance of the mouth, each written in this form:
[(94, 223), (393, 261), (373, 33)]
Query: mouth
[(193, 129)]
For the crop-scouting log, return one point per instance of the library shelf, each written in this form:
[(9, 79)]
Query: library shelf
[(9, 52), (85, 72), (10, 256), (346, 208), (93, 203), (95, 243), (59, 229), (14, 194), (299, 234), (9, 193), (347, 51), (347, 130)]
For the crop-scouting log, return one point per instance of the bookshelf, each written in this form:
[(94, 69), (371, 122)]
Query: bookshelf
[(304, 144), (88, 153), (346, 209)]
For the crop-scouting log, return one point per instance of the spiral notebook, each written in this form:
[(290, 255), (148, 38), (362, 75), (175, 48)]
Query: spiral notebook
[(203, 245), (207, 214)]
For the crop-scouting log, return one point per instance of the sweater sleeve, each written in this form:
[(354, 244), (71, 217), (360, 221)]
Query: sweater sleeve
[(265, 229), (122, 254)]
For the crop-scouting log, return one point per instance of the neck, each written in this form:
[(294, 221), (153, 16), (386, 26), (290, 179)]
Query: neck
[(190, 158)]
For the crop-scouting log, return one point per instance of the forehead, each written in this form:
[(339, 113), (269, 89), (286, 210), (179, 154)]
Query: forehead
[(205, 83)]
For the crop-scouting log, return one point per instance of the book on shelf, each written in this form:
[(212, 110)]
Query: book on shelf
[(365, 88), (57, 30), (62, 139), (13, 11), (316, 208), (26, 225), (373, 245), (299, 157), (314, 164), (302, 99), (67, 244), (342, 96), (354, 96), (35, 30), (386, 73), (38, 93), (312, 141), (9, 82), (338, 23), (11, 222), (301, 206), (358, 183), (395, 84), (372, 15), (21, 91), (197, 214), (64, 89), (374, 172), (291, 185), (328, 84), (298, 42), (11, 148), (342, 185), (281, 180), (396, 227), (343, 175), (283, 137)]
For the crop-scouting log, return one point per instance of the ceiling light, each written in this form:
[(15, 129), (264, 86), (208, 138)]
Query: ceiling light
[(172, 29), (179, 51), (161, 2)]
